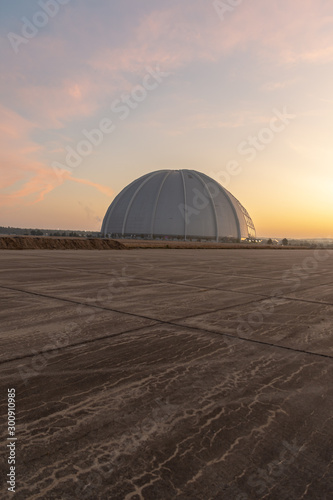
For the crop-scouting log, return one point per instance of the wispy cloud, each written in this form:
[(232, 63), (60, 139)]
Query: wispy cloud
[(102, 189), (19, 164), (278, 85), (42, 182)]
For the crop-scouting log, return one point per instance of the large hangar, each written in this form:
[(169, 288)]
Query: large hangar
[(180, 204)]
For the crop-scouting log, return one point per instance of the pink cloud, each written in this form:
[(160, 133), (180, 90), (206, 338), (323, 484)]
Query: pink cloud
[(102, 189), (20, 165), (176, 36), (54, 106), (44, 180), (171, 37)]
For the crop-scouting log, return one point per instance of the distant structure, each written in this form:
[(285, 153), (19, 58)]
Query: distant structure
[(177, 204)]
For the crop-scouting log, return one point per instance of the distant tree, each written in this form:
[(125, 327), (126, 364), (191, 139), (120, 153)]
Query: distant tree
[(285, 242), (270, 242)]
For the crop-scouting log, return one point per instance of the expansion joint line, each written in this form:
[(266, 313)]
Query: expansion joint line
[(156, 322)]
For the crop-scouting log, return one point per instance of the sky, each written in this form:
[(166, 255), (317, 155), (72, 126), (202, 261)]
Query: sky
[(97, 93)]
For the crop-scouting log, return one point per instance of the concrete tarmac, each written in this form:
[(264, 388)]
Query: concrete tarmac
[(168, 374)]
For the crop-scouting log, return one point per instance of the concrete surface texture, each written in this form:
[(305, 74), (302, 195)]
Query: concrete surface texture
[(169, 374)]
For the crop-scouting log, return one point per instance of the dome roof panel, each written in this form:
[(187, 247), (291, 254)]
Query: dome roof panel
[(167, 214), (202, 220), (139, 214)]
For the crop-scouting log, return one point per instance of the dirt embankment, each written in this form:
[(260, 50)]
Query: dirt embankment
[(53, 243), (64, 243), (188, 244)]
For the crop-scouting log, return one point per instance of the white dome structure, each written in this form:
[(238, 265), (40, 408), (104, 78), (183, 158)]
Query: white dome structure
[(182, 204)]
